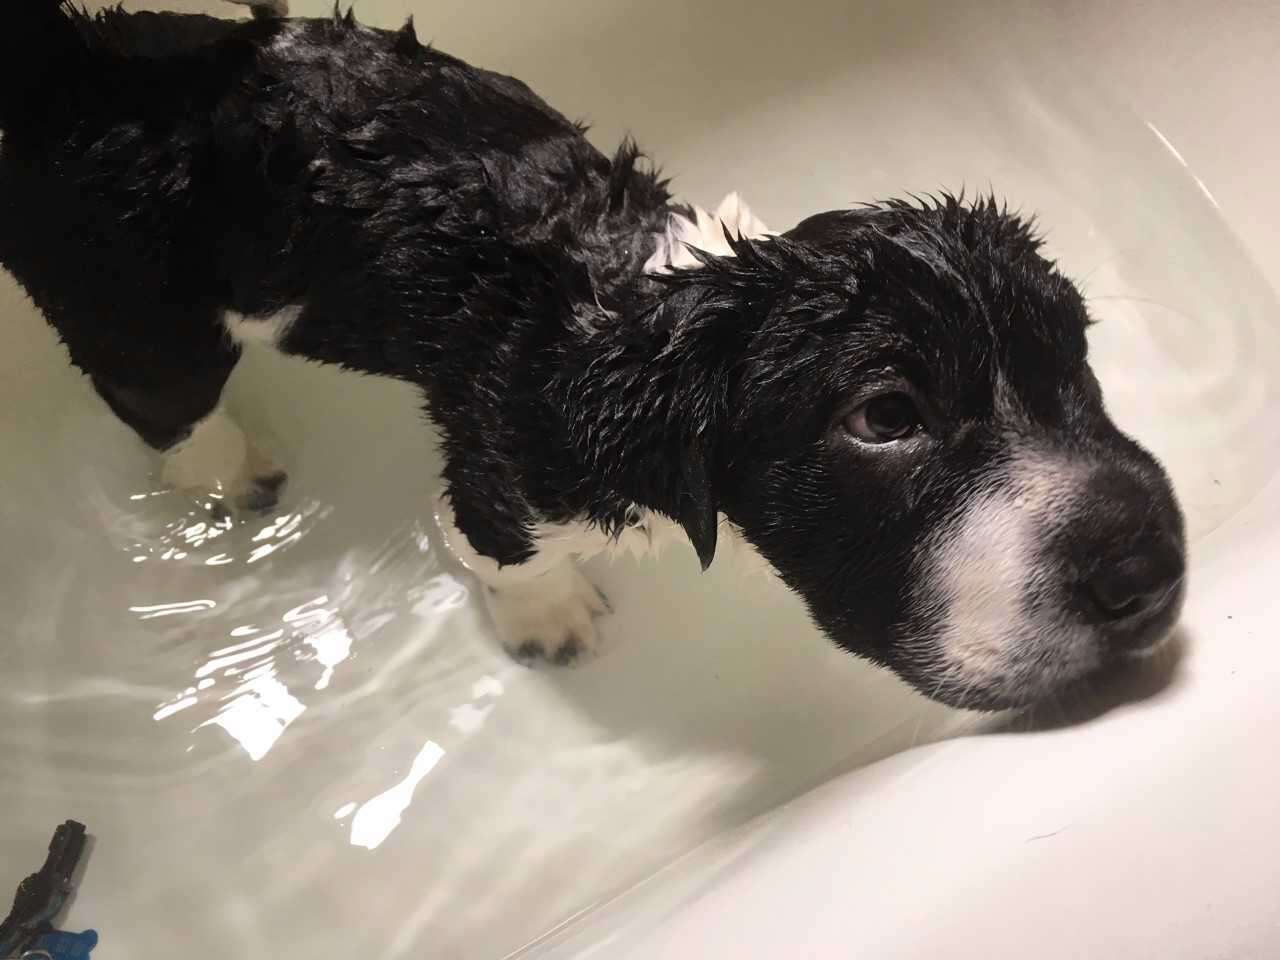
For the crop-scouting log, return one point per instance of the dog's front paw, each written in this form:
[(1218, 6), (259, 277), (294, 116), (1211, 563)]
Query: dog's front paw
[(217, 459), (550, 618)]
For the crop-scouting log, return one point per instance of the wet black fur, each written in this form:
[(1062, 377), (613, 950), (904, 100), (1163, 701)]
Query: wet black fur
[(442, 225)]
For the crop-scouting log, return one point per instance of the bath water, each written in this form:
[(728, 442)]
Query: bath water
[(294, 735)]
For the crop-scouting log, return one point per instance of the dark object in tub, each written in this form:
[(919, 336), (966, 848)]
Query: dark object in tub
[(42, 895)]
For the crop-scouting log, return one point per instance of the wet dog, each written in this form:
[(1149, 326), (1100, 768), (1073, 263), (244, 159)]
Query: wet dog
[(892, 404)]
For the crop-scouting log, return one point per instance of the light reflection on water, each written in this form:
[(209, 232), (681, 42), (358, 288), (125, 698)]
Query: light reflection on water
[(376, 818), (254, 686)]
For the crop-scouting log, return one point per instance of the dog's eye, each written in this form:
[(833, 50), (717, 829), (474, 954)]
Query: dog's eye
[(884, 418)]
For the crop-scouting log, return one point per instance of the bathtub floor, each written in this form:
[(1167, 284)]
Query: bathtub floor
[(296, 732), (293, 736)]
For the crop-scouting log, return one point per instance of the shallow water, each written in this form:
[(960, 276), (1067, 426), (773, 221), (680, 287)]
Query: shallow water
[(293, 736)]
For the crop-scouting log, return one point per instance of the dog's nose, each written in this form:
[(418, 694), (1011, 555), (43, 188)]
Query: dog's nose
[(1128, 546), (1140, 585)]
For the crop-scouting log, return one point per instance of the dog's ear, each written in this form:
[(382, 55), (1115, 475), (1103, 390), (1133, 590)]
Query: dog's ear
[(698, 512), (649, 408), (701, 331)]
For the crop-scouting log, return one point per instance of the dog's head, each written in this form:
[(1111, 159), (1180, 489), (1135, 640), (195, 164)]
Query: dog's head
[(894, 406)]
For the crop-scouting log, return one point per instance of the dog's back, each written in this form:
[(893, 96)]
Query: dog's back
[(346, 193), (190, 166), (99, 152), (40, 50)]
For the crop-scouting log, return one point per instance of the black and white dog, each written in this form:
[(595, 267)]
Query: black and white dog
[(891, 404)]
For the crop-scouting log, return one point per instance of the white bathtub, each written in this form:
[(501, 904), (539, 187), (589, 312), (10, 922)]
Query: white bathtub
[(295, 739)]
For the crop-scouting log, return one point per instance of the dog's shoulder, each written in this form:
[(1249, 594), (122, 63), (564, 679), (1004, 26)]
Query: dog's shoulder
[(152, 34)]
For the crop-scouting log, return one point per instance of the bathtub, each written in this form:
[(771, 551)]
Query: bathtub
[(294, 736)]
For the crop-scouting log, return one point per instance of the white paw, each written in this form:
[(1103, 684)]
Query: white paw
[(217, 459), (549, 618)]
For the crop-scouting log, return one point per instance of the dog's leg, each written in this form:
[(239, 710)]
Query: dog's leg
[(204, 450), (544, 609), (548, 616)]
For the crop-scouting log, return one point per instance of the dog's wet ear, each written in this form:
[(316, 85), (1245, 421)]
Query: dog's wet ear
[(649, 404), (697, 512), (706, 330)]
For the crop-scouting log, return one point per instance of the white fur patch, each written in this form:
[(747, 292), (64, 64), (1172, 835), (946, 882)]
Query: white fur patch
[(543, 608), (984, 572), (651, 535), (985, 566), (705, 232), (269, 329), (217, 459), (558, 543), (537, 604), (549, 617), (211, 458)]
